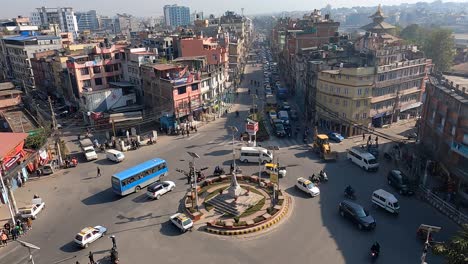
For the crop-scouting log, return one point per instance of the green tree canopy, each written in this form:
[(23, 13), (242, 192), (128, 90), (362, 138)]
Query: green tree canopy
[(455, 251), (36, 140), (437, 44), (440, 47)]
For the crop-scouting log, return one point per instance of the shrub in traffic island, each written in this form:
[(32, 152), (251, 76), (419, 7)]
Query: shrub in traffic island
[(258, 219)]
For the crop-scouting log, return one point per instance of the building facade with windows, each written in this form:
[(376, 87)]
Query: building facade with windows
[(343, 97), (443, 131), (87, 20), (175, 15), (17, 53), (62, 16)]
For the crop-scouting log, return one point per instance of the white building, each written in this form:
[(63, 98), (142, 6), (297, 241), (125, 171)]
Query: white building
[(175, 15), (63, 16), (134, 58)]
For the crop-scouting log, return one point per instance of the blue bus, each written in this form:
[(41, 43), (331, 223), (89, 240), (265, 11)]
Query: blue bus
[(135, 178)]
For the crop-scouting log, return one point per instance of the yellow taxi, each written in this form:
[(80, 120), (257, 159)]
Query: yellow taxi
[(273, 168)]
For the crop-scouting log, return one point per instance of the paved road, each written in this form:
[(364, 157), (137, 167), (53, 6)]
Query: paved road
[(314, 232)]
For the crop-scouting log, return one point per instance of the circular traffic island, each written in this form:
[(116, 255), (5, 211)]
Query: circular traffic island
[(236, 205)]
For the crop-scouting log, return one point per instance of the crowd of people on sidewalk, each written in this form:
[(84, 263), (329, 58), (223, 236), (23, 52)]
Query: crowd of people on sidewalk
[(14, 231)]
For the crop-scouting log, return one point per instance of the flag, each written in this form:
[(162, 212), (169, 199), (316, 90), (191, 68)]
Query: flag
[(182, 73)]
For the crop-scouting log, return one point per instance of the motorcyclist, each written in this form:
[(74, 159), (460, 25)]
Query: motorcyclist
[(349, 190), (376, 247)]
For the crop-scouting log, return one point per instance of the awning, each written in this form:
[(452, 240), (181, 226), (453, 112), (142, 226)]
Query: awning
[(410, 106), (121, 117), (379, 115)]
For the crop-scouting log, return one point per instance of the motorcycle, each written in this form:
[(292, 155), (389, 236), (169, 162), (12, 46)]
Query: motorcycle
[(218, 171), (200, 175), (350, 194), (374, 254), (323, 176), (314, 178)]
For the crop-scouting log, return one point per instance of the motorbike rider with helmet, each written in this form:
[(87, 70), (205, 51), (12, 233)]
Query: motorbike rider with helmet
[(376, 248)]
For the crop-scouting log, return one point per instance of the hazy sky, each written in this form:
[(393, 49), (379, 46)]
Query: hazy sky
[(12, 8)]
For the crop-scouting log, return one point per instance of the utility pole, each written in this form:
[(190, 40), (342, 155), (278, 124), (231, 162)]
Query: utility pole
[(54, 121), (4, 190), (113, 127)]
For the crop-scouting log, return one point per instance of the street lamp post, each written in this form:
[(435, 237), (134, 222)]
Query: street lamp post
[(194, 178), (234, 131), (29, 246)]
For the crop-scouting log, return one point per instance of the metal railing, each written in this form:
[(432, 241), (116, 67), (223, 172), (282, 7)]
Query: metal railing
[(441, 205)]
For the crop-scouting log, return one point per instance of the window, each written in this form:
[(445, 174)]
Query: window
[(86, 83), (346, 91), (84, 71), (366, 91), (108, 68), (356, 116), (96, 69), (358, 103), (364, 115), (343, 115), (347, 77), (345, 102), (365, 102), (98, 81), (194, 87), (337, 101), (116, 67), (359, 91), (338, 90), (182, 90)]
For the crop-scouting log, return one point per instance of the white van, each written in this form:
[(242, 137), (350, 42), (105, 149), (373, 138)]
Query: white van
[(385, 200), (363, 159), (114, 155), (253, 154)]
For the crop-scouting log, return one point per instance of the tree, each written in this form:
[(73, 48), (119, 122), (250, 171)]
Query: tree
[(455, 251), (413, 34), (440, 47), (36, 140)]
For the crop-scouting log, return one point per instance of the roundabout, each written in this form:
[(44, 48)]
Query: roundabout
[(237, 205)]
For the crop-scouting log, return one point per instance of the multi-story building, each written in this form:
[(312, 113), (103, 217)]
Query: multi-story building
[(63, 16), (163, 45), (172, 91), (134, 58), (96, 70), (18, 26), (18, 51), (87, 20), (380, 83), (443, 130), (125, 24), (107, 24), (216, 54), (175, 15)]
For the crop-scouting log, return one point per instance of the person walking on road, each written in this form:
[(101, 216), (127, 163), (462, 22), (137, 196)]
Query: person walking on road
[(363, 136), (98, 172), (91, 258), (377, 140)]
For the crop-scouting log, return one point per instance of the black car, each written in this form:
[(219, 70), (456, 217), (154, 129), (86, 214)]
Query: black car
[(400, 182), (357, 214), (279, 129)]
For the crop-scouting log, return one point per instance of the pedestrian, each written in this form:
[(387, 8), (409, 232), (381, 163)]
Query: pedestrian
[(232, 168), (369, 139), (24, 226), (188, 133), (376, 140), (29, 223), (91, 258), (98, 172), (188, 179), (114, 245), (19, 181), (14, 234), (363, 136), (4, 238)]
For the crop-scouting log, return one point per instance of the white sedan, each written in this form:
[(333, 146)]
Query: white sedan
[(182, 222), (31, 211), (307, 186), (88, 235), (157, 189)]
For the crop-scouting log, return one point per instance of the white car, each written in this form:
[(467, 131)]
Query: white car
[(88, 235), (307, 186), (182, 222), (31, 211), (157, 189)]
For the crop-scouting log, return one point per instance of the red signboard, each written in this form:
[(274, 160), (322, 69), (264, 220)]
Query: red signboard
[(251, 127)]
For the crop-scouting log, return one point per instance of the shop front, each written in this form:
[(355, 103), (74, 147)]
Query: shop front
[(12, 155)]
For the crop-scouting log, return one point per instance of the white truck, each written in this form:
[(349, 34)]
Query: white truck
[(88, 149)]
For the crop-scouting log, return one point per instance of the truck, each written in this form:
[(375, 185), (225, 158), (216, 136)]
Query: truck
[(88, 149), (322, 147)]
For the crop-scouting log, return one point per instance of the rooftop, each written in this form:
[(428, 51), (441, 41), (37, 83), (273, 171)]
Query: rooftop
[(6, 86), (19, 121), (31, 38), (10, 141), (165, 67)]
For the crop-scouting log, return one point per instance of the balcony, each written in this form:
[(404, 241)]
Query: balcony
[(399, 80), (459, 148)]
